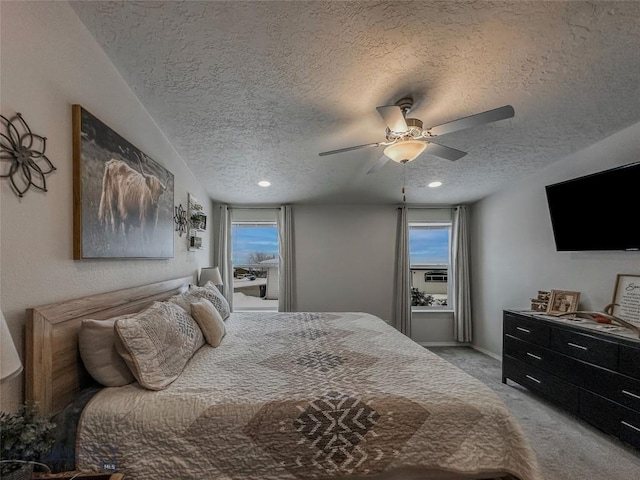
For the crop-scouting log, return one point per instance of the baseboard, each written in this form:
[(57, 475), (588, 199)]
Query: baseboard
[(487, 352), (443, 344)]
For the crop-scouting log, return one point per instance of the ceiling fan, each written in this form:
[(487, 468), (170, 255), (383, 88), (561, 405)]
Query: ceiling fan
[(406, 139)]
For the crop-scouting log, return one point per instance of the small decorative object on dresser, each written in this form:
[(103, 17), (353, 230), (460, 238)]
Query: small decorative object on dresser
[(562, 301), (541, 302), (626, 298)]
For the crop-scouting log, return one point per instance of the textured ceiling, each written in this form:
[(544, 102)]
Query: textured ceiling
[(255, 90)]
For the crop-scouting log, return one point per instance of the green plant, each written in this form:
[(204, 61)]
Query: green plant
[(24, 435), (419, 298)]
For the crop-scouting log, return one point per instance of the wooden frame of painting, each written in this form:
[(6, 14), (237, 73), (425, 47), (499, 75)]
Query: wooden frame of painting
[(122, 198)]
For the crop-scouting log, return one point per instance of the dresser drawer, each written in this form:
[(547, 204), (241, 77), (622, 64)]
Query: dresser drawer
[(526, 352), (618, 388), (585, 347), (561, 366), (610, 417), (629, 361), (535, 379), (527, 330)]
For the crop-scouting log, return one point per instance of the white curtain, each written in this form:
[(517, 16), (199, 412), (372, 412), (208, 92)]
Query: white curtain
[(403, 275), (460, 275), (224, 253), (285, 254)]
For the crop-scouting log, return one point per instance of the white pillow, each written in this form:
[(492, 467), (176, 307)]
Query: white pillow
[(157, 343), (96, 342), (210, 321)]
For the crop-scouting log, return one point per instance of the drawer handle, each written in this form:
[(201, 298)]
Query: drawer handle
[(523, 330), (534, 379), (631, 394), (575, 345), (630, 426), (534, 356)]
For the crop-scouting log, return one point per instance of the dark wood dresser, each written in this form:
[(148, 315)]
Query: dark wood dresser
[(590, 373)]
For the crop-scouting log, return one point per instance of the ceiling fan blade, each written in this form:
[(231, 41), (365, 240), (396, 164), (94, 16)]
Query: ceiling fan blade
[(393, 117), (489, 116), (444, 152), (348, 149), (381, 162)]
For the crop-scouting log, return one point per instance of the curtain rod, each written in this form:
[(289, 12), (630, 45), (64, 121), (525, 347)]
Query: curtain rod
[(429, 207), (426, 207), (261, 207)]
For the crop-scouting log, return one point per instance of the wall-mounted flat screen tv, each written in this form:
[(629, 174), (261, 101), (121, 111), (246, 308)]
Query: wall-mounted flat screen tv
[(597, 212)]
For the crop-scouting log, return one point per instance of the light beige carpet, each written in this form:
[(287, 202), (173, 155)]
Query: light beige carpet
[(567, 447)]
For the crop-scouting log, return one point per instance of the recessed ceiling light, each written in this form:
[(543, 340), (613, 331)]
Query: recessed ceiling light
[(264, 183), (434, 184)]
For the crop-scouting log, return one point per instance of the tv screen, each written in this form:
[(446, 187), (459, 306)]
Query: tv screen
[(597, 212)]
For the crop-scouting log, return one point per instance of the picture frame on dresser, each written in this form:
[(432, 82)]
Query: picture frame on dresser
[(626, 298), (562, 301)]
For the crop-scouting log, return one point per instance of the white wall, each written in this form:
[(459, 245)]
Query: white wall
[(345, 261), (514, 254), (49, 62), (432, 328), (344, 258)]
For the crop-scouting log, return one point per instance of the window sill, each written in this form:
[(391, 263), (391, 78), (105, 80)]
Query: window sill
[(431, 310)]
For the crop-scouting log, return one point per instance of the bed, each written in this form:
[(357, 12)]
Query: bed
[(304, 395)]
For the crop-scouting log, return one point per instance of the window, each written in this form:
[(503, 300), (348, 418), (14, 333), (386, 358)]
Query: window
[(435, 276), (429, 244), (254, 256)]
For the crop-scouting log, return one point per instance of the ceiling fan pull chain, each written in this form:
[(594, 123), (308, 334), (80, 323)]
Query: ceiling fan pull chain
[(404, 181)]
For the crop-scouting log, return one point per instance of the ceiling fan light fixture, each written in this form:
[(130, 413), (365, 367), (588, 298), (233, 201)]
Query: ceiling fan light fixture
[(405, 151)]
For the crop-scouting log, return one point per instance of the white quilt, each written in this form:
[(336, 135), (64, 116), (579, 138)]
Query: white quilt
[(307, 396)]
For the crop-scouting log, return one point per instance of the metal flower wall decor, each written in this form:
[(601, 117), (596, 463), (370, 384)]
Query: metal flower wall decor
[(22, 156), (180, 219)]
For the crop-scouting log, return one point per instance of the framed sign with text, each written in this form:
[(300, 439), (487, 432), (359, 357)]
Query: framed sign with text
[(626, 298)]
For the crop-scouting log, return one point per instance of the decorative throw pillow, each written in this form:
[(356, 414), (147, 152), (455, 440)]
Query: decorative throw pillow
[(182, 300), (96, 342), (211, 293), (210, 321), (157, 343)]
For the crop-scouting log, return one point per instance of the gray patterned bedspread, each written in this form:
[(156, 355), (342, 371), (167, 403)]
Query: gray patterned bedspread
[(307, 396)]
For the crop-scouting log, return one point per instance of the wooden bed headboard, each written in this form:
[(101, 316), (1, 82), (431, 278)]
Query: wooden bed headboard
[(55, 373)]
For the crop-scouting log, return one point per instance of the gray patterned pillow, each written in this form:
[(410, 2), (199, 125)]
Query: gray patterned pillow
[(211, 293), (157, 343), (182, 300)]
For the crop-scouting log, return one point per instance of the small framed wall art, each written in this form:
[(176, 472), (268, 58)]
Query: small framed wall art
[(562, 301)]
